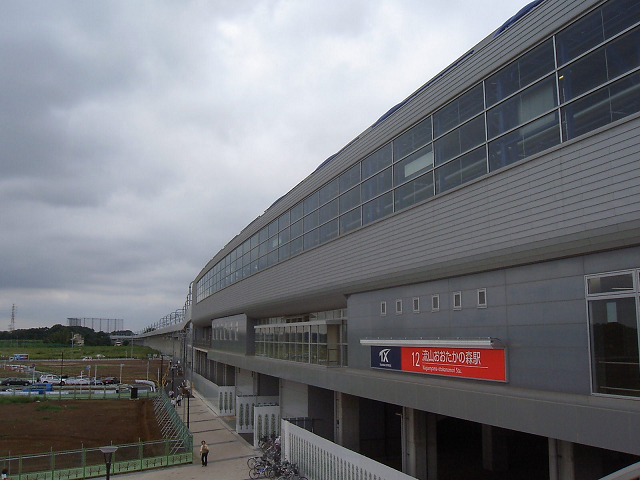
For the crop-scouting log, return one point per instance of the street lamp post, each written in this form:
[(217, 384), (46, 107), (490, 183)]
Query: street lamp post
[(108, 452)]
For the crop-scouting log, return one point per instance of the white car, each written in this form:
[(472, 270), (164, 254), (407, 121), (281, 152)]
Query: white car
[(77, 381), (48, 378)]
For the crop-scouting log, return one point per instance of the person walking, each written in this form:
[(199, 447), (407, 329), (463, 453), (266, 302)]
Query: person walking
[(204, 452)]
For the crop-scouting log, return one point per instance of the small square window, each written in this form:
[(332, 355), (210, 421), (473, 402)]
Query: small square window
[(398, 307), (383, 308), (416, 305), (482, 298), (457, 300), (435, 303)]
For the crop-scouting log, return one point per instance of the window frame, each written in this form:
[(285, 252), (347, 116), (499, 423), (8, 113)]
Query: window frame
[(457, 300), (482, 292)]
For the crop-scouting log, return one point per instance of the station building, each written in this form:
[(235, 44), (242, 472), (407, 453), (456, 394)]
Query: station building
[(457, 290)]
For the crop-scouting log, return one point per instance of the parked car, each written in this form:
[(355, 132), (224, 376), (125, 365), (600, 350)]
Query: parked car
[(77, 381), (110, 380), (96, 381), (15, 381), (48, 378)]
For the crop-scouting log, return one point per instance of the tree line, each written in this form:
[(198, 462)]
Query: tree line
[(60, 334)]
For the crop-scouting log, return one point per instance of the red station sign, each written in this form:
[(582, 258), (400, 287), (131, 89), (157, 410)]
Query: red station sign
[(480, 363), (463, 362)]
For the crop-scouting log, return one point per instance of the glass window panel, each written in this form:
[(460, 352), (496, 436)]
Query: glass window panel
[(311, 203), (520, 73), (464, 138), (296, 229), (283, 220), (580, 37), (413, 166), (246, 259), (297, 212), (246, 247), (254, 266), (328, 211), (376, 161), (262, 263), (620, 15), (329, 191), (535, 137), (264, 234), (284, 236), (586, 114), (610, 284), (350, 178), (625, 97), (255, 253), (582, 75), (377, 208), (296, 245), (311, 221), (376, 185), (528, 104), (263, 249), (246, 270), (329, 230), (623, 54), (284, 252), (412, 139), (272, 258), (311, 239), (614, 346), (273, 228), (458, 111), (232, 256), (413, 192), (461, 170), (350, 221), (349, 199), (255, 241), (273, 243), (602, 107)]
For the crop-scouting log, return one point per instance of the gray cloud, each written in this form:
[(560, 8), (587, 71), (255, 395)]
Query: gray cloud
[(138, 138)]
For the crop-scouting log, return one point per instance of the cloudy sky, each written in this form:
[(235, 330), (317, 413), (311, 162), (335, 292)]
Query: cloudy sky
[(137, 138)]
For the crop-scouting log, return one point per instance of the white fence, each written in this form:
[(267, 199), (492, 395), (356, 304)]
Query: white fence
[(319, 459), (267, 421), (245, 405)]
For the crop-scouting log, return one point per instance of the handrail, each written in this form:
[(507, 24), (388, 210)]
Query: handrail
[(632, 472)]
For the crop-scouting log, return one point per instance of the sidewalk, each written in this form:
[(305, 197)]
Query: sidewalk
[(228, 452)]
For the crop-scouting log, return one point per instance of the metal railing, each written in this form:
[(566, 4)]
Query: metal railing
[(176, 448), (632, 472)]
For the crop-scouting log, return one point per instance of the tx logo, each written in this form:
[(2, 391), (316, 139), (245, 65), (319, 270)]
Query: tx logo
[(384, 355)]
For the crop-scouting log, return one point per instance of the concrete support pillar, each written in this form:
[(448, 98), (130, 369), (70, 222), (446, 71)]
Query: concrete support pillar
[(432, 446), (415, 443), (347, 421), (495, 454), (561, 460)]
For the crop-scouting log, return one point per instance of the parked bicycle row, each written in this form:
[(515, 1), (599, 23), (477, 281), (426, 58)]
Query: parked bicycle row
[(270, 464)]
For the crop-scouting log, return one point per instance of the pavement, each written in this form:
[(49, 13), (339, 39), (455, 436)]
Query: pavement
[(228, 451)]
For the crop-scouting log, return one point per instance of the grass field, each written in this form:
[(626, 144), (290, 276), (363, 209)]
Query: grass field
[(42, 351)]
